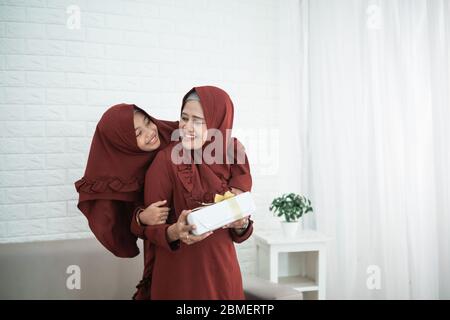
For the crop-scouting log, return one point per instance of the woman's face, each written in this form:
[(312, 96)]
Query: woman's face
[(193, 125), (146, 132)]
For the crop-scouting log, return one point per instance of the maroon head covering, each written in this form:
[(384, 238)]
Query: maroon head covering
[(218, 111), (115, 173)]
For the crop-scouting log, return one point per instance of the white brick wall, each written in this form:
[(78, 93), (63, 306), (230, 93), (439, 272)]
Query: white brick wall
[(56, 82)]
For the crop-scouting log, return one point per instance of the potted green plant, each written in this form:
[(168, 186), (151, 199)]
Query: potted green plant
[(291, 207)]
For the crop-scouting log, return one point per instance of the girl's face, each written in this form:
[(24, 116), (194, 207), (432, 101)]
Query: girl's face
[(146, 132), (193, 125)]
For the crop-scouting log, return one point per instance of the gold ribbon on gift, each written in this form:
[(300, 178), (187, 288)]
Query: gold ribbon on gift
[(234, 205), (220, 198)]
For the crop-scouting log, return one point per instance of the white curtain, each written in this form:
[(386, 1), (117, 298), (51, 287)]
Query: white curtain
[(376, 106)]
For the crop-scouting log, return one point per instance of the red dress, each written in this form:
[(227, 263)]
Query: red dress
[(240, 179), (208, 269)]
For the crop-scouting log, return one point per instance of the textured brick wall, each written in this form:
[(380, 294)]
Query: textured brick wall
[(56, 82)]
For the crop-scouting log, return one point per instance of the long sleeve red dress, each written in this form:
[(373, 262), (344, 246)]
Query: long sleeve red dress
[(208, 269)]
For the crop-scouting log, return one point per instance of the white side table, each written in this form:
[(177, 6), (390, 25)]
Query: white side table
[(299, 262)]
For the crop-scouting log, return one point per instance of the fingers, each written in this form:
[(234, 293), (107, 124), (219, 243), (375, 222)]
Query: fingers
[(184, 213), (191, 239), (158, 203), (162, 220), (183, 216), (164, 215), (188, 228), (231, 226), (162, 210), (183, 228), (242, 223), (202, 236), (236, 224)]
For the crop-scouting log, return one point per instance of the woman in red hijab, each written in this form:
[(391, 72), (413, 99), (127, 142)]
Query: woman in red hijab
[(187, 266), (125, 142)]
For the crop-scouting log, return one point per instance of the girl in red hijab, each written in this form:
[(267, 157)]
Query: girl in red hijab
[(125, 142), (187, 266), (112, 185)]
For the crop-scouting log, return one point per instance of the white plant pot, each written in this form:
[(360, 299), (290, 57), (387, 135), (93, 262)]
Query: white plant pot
[(290, 229)]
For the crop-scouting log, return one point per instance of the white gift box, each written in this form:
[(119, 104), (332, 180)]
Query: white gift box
[(217, 215)]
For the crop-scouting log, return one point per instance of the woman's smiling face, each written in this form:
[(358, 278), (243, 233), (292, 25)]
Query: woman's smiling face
[(146, 132), (193, 125)]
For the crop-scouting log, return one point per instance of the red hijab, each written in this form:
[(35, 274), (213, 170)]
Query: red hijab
[(115, 171), (218, 111)]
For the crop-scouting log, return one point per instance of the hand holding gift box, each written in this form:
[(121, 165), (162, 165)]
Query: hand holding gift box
[(226, 209)]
